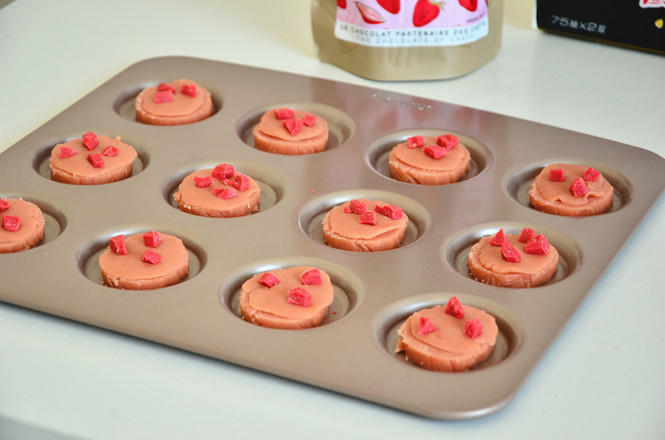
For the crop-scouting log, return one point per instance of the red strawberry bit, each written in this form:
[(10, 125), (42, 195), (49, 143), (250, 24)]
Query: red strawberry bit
[(311, 277), (391, 211), (96, 160), (66, 152), (4, 204), (152, 239), (284, 113), (269, 279), (188, 90), (341, 4), (455, 308), (557, 175), (110, 151), (203, 182), (355, 206), (473, 328), (152, 257), (579, 188), (448, 141), (538, 246), (90, 140), (226, 193), (162, 87), (425, 326), (293, 126), (117, 245), (470, 5), (223, 171), (424, 12), (510, 253), (163, 96), (11, 223), (300, 297), (368, 218), (309, 120), (435, 152), (527, 235), (239, 181), (591, 175), (499, 238), (415, 141)]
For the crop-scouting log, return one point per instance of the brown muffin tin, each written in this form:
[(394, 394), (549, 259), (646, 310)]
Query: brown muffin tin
[(353, 351)]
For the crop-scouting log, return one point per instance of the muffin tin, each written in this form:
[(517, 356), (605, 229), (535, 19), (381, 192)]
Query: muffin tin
[(352, 352)]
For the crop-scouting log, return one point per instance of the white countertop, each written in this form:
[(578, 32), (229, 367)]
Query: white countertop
[(604, 376)]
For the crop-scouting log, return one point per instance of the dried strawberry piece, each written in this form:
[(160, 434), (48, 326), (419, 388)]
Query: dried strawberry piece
[(152, 239), (223, 171), (527, 235), (473, 328), (239, 181), (90, 140), (510, 253), (448, 141), (163, 96), (355, 206), (538, 246), (152, 257), (11, 223), (499, 238), (368, 218), (425, 325), (435, 152), (66, 152), (161, 87), (203, 182), (110, 151), (415, 141), (284, 113), (269, 279), (309, 120), (226, 193), (455, 308), (391, 211), (188, 90), (293, 126), (591, 175), (96, 160), (311, 277), (579, 188), (557, 175), (117, 245), (300, 297), (4, 204)]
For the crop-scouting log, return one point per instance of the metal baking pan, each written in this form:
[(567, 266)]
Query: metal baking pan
[(353, 351)]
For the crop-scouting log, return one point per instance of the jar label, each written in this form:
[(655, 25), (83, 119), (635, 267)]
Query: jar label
[(411, 23)]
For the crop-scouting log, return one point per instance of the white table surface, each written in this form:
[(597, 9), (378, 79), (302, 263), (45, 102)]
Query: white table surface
[(603, 378)]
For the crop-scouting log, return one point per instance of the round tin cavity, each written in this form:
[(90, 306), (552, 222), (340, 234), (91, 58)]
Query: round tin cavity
[(456, 250), (346, 286), (340, 125), (379, 151), (310, 216)]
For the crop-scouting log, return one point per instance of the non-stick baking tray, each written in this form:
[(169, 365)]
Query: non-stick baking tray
[(353, 351)]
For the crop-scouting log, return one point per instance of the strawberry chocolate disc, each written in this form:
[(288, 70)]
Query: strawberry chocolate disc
[(363, 225), (144, 261), (429, 160), (21, 225), (289, 131), (175, 103), (91, 160), (513, 260), (218, 192), (448, 339), (293, 298), (571, 190)]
